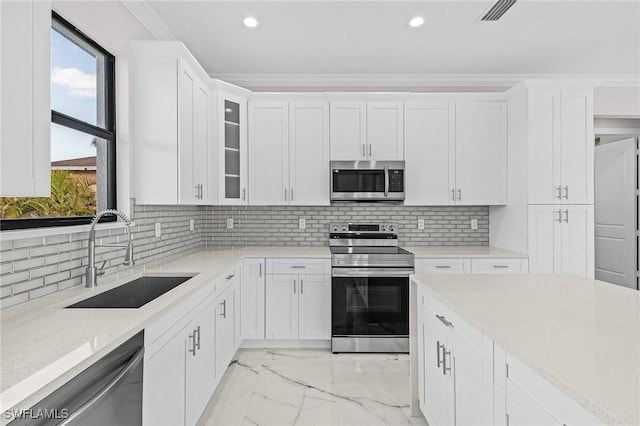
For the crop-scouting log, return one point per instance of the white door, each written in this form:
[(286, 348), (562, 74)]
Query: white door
[(577, 147), (348, 129), (544, 148), (616, 245), (385, 129), (429, 132), (186, 88), (481, 153), (314, 309), (232, 140), (253, 271), (545, 239), (200, 366), (309, 153), (281, 307), (473, 384), (163, 400), (577, 240), (223, 331)]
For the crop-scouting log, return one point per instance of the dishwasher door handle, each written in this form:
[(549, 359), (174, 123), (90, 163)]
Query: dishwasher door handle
[(109, 388)]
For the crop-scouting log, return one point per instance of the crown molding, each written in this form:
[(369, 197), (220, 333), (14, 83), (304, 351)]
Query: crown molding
[(141, 10), (503, 81)]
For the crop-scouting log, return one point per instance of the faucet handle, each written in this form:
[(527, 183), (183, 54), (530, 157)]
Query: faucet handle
[(101, 268)]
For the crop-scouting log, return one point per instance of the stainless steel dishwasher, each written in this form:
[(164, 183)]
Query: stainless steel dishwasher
[(109, 392)]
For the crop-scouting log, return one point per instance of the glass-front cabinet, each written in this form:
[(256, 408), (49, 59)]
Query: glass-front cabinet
[(232, 139)]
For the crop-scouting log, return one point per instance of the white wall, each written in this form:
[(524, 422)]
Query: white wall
[(112, 26), (616, 102)]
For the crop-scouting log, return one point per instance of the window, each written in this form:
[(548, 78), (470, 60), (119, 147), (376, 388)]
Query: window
[(83, 178)]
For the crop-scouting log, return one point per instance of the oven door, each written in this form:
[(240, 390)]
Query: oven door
[(370, 306)]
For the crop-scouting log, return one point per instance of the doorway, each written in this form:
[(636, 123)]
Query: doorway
[(616, 210)]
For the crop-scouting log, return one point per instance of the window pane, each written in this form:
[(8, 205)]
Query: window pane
[(77, 77), (77, 185)]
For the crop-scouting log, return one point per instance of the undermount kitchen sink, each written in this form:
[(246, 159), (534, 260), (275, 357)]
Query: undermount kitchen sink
[(133, 294)]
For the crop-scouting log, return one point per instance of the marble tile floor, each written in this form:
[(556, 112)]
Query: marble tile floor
[(276, 387)]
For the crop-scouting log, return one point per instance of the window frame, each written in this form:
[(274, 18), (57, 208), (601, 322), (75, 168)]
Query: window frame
[(108, 134)]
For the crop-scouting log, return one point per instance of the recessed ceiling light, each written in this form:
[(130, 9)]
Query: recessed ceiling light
[(250, 22), (416, 21)]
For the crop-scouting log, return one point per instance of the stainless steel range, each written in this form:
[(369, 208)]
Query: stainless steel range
[(370, 288)]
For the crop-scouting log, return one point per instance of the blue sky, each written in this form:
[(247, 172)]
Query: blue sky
[(73, 92)]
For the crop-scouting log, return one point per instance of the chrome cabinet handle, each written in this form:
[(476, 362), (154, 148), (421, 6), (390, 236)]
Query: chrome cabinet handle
[(294, 286), (198, 342), (559, 195), (291, 198), (453, 194), (285, 194), (445, 369), (559, 216), (369, 150), (197, 192), (244, 193), (228, 277), (566, 192), (443, 266), (193, 343), (566, 216), (501, 266), (260, 269), (438, 346), (301, 286), (444, 320), (459, 194), (224, 309), (298, 267), (99, 397), (364, 153)]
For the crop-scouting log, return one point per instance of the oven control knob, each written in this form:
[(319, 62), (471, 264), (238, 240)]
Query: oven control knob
[(392, 228), (383, 228), (334, 228), (344, 228)]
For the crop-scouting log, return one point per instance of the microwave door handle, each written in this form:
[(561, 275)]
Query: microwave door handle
[(386, 180)]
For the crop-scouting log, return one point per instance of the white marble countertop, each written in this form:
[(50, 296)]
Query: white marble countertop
[(455, 252), (580, 334), (43, 345)]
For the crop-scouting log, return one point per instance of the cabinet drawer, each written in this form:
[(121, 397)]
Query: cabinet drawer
[(299, 266), (458, 325), (229, 277), (499, 266), (443, 266)]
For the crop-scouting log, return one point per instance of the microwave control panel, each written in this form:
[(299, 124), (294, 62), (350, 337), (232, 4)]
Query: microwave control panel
[(396, 180)]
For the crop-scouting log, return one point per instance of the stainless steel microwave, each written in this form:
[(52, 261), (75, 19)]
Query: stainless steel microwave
[(367, 180)]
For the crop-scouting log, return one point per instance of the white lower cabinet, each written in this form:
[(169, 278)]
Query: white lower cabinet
[(225, 319), (442, 266), (472, 266), (253, 278), (500, 266), (458, 368)]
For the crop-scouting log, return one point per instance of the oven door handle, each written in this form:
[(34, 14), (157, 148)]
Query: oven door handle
[(371, 272)]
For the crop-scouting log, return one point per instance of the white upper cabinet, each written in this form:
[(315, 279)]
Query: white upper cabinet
[(25, 104), (561, 147), (456, 152), (367, 130), (481, 153), (173, 152), (289, 152), (385, 131), (348, 130), (430, 152), (232, 143)]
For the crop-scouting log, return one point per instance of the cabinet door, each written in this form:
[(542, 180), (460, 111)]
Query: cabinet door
[(430, 153), (437, 383), (232, 137), (200, 363), (314, 309), (545, 239), (281, 307), (523, 410), (201, 147), (577, 147), (544, 148), (385, 130), (25, 105), (481, 153), (309, 153), (253, 272), (163, 401), (224, 305), (578, 240), (473, 375), (187, 187), (269, 153), (348, 129), (442, 266)]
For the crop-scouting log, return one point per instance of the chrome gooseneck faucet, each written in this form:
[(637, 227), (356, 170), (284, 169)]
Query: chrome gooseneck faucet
[(92, 271)]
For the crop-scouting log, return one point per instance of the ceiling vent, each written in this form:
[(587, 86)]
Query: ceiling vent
[(497, 10)]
